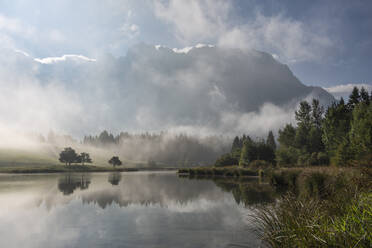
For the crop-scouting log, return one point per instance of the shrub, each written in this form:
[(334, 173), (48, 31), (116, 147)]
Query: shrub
[(259, 164), (315, 185), (287, 156), (323, 159), (226, 160)]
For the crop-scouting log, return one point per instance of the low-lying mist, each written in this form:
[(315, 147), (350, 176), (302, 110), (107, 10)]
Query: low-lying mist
[(201, 99)]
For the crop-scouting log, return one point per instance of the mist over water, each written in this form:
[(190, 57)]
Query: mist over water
[(123, 210)]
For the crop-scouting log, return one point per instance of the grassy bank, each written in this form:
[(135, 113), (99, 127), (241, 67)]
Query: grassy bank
[(323, 207), (231, 171), (60, 168)]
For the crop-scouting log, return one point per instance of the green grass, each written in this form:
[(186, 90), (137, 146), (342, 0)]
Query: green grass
[(324, 207), (46, 159)]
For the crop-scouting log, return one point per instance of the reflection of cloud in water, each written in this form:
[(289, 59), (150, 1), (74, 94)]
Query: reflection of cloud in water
[(160, 210), (152, 189)]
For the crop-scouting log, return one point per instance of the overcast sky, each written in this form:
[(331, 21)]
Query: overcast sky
[(325, 43)]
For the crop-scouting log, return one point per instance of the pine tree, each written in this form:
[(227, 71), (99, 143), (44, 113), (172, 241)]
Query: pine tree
[(303, 115), (271, 140), (360, 134), (236, 144), (287, 136), (364, 96), (335, 127), (317, 113), (354, 98)]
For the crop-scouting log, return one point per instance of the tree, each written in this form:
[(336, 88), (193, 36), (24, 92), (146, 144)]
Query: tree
[(287, 136), (68, 156), (236, 144), (303, 115), (335, 127), (315, 143), (304, 121), (287, 156), (115, 161), (248, 153), (271, 140), (360, 134), (354, 98), (226, 160), (85, 158), (364, 96), (317, 113)]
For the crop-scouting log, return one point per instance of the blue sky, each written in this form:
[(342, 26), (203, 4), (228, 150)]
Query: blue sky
[(325, 43)]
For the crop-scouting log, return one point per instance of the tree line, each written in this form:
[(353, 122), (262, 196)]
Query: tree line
[(175, 150), (340, 135)]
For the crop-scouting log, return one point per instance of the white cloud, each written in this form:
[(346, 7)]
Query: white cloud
[(14, 25), (73, 57), (196, 21), (344, 90), (56, 36), (289, 39), (130, 30), (185, 50)]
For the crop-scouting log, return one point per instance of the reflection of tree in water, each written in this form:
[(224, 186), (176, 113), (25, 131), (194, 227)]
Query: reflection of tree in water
[(69, 182), (114, 178), (247, 191)]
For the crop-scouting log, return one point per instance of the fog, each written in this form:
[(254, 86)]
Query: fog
[(202, 91)]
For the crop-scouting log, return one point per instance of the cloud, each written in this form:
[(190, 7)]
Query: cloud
[(206, 20), (15, 26), (290, 39), (193, 19), (187, 49), (130, 30), (344, 90), (209, 90), (73, 57)]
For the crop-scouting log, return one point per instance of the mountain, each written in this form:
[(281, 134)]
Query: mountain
[(205, 89)]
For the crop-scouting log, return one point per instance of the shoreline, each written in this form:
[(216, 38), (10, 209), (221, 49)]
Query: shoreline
[(74, 168)]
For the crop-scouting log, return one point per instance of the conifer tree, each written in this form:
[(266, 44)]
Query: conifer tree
[(271, 140)]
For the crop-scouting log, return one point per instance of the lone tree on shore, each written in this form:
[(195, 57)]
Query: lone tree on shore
[(85, 158), (114, 161), (68, 156)]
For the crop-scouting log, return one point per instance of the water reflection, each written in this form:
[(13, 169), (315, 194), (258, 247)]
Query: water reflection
[(142, 210), (114, 178), (247, 191), (69, 182)]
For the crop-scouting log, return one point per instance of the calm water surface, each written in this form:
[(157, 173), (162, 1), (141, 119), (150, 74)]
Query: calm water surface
[(144, 209)]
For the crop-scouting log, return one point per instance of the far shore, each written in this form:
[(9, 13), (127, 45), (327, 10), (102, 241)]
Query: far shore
[(76, 168)]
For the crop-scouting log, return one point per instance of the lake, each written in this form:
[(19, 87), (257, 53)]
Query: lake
[(133, 209)]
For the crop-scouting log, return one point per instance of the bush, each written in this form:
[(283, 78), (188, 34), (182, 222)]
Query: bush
[(226, 160), (323, 159), (285, 179), (304, 159), (315, 185), (287, 156), (259, 164)]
